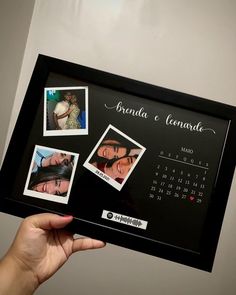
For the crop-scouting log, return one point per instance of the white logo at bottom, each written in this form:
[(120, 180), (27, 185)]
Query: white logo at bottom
[(120, 218)]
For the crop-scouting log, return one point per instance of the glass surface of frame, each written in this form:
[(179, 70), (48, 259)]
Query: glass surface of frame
[(137, 165)]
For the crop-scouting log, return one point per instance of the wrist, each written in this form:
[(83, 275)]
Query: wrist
[(16, 278)]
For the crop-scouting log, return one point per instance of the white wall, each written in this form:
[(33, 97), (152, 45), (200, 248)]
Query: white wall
[(184, 45), (15, 18)]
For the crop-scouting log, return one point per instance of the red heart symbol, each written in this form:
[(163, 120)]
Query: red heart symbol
[(191, 198)]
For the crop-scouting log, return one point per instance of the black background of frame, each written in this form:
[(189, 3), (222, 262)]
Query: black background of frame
[(45, 65)]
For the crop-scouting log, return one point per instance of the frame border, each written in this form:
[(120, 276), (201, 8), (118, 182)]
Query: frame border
[(44, 65)]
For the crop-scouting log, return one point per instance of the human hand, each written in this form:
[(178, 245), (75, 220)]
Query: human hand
[(41, 246)]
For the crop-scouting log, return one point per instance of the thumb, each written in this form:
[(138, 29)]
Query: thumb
[(49, 221)]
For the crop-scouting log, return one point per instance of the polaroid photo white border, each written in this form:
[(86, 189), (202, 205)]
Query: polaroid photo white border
[(101, 174), (45, 196), (82, 131)]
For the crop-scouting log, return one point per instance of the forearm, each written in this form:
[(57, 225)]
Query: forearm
[(55, 120), (15, 278), (64, 115)]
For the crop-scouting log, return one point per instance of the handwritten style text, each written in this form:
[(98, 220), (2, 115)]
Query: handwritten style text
[(128, 111), (187, 125)]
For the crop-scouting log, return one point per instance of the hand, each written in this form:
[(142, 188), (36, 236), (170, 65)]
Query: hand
[(41, 246)]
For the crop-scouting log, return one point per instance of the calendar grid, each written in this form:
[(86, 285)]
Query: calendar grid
[(186, 163)]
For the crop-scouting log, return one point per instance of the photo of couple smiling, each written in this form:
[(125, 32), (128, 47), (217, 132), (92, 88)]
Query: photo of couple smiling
[(114, 157), (51, 174), (65, 111)]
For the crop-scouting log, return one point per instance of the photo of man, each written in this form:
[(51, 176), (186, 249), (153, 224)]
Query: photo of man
[(61, 108)]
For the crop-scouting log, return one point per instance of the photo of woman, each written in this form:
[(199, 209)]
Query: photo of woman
[(51, 174), (53, 180)]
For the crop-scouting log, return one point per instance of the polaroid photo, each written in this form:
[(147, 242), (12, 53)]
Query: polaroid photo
[(65, 111), (51, 174), (114, 157)]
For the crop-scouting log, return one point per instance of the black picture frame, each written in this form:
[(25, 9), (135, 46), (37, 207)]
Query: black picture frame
[(28, 133)]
